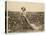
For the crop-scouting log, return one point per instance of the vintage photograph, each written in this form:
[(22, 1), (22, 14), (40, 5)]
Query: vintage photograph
[(24, 17)]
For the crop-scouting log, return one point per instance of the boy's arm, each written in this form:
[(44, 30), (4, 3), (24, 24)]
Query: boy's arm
[(32, 25)]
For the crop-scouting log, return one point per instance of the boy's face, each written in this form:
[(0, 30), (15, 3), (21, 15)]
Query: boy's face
[(23, 9)]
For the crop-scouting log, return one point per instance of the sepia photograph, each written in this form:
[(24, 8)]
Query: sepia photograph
[(24, 17)]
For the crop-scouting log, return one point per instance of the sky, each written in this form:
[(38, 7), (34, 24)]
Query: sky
[(31, 7)]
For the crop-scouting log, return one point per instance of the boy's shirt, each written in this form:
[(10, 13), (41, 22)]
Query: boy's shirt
[(23, 14)]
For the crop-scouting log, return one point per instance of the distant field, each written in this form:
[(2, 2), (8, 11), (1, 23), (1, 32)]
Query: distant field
[(17, 24)]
